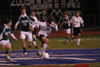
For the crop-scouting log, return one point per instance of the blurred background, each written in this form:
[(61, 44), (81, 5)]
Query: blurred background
[(90, 10)]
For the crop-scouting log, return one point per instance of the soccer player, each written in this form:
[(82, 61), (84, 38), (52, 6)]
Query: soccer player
[(67, 27), (78, 24), (33, 19), (45, 29), (25, 25), (4, 41)]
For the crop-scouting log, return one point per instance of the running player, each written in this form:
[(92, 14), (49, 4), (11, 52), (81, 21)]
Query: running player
[(45, 29), (78, 24), (25, 25), (33, 19), (4, 41), (67, 27)]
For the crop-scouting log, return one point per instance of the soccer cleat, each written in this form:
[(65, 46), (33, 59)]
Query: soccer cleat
[(25, 53), (36, 47), (9, 58), (39, 54)]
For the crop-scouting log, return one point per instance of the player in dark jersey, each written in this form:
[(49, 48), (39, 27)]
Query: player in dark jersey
[(25, 23), (4, 41), (67, 27)]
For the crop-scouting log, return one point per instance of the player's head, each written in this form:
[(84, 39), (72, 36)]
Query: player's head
[(23, 10), (77, 13), (49, 21), (65, 14), (32, 13), (8, 22)]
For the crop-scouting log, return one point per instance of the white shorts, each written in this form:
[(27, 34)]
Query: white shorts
[(68, 31), (23, 35), (5, 42)]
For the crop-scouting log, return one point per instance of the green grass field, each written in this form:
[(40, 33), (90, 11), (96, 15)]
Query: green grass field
[(57, 43)]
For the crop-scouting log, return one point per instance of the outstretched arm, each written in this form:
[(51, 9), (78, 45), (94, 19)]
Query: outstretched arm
[(54, 26)]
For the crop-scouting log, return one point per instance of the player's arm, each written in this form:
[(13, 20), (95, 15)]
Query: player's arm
[(17, 23), (72, 22), (54, 25), (82, 22), (12, 35)]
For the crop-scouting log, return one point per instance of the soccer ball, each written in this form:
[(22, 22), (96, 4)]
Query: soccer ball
[(45, 56)]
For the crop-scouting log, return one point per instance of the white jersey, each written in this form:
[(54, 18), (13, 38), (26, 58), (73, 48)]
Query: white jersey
[(44, 29), (77, 21)]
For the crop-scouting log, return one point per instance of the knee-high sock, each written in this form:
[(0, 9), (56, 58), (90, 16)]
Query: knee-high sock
[(78, 41), (34, 40), (43, 48)]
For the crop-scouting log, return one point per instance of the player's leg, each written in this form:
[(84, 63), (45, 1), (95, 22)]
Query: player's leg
[(68, 35), (34, 38), (29, 36), (78, 39), (34, 41), (78, 36), (44, 42), (22, 36), (6, 44)]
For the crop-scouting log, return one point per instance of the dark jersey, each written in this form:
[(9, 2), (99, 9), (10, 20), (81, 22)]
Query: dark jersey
[(66, 23), (24, 22), (4, 31)]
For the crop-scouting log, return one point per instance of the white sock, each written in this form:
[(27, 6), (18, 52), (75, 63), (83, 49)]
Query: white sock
[(34, 42), (78, 41), (34, 37), (42, 49)]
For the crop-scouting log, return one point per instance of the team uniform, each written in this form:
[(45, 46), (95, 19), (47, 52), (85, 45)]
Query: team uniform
[(25, 23), (67, 25), (4, 31), (77, 21), (34, 19), (44, 32)]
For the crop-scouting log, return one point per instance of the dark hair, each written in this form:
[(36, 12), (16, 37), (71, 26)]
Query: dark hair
[(31, 11), (65, 13), (22, 8), (49, 20), (8, 20), (77, 11)]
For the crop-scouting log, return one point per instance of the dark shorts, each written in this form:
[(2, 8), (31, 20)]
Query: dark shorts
[(34, 32), (66, 26), (40, 38), (76, 31)]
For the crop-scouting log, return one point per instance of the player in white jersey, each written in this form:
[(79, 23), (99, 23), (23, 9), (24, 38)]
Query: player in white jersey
[(78, 24), (45, 29), (4, 41), (67, 27), (33, 19)]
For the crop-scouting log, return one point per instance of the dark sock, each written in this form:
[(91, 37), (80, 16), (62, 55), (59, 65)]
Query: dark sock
[(7, 52), (24, 49), (66, 38)]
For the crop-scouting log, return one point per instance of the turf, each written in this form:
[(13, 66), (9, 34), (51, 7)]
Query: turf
[(57, 43)]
